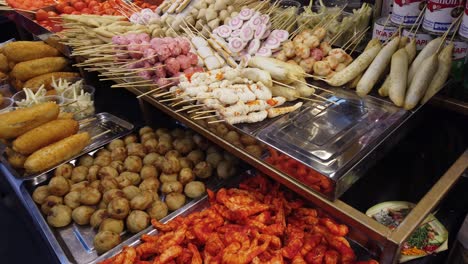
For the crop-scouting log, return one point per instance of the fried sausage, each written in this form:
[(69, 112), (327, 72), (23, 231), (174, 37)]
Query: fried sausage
[(28, 69), (44, 135), (15, 159), (46, 79), (56, 153), (28, 50), (18, 122), (4, 64)]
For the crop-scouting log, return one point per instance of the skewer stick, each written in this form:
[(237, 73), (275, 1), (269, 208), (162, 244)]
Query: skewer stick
[(200, 107), (207, 111), (168, 100), (161, 94), (280, 83), (357, 43), (188, 107), (149, 92), (204, 117), (309, 99), (86, 120), (216, 121), (417, 22), (314, 86), (101, 134)]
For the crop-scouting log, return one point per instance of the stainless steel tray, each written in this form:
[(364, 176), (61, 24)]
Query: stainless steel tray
[(103, 122), (74, 243)]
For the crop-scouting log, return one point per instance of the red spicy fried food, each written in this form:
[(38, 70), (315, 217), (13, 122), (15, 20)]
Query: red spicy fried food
[(257, 223)]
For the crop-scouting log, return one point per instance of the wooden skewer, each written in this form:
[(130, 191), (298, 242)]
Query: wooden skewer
[(205, 112), (204, 117), (162, 94), (186, 108), (101, 134), (86, 120), (149, 92), (280, 83), (216, 121), (309, 99), (314, 86), (168, 100), (195, 110)]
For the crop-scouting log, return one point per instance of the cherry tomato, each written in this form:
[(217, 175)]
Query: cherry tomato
[(60, 7), (52, 14), (68, 10), (76, 13), (79, 6), (42, 15), (93, 3), (57, 28), (86, 11)]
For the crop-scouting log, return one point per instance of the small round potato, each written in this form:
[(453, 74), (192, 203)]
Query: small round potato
[(102, 205), (133, 177), (113, 225), (49, 202), (106, 240), (186, 175), (150, 184), (175, 201), (144, 130), (130, 139), (185, 145), (133, 163), (150, 158), (147, 136), (108, 183), (185, 163), (97, 217), (119, 154), (136, 149), (79, 186), (79, 174), (59, 216), (64, 170), (171, 165), (58, 186), (149, 171), (158, 210), (111, 194), (172, 153), (168, 177), (130, 192), (93, 172), (107, 171), (141, 201), (196, 156), (203, 170), (102, 152), (86, 160), (118, 165), (40, 194), (137, 220), (72, 199), (159, 162), (90, 196), (214, 159), (103, 160), (118, 208), (168, 187), (123, 181), (163, 147), (115, 144), (82, 214), (151, 145), (195, 189)]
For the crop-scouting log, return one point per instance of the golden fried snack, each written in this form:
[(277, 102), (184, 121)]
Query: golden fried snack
[(15, 159), (3, 75), (18, 122), (56, 153), (4, 64), (45, 135), (28, 50), (17, 84), (65, 115), (28, 69), (46, 79)]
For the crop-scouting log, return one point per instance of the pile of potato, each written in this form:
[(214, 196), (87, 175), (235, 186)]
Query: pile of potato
[(130, 181), (32, 64)]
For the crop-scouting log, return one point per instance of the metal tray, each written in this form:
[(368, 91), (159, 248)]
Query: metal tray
[(74, 243), (103, 122)]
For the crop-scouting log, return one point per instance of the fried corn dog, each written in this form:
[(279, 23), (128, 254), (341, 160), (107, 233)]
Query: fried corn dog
[(45, 135), (56, 153), (26, 70), (15, 159), (18, 122), (28, 50)]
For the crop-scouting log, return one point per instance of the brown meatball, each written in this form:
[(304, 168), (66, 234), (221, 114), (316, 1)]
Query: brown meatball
[(168, 187), (79, 186), (185, 163), (185, 145), (175, 201), (186, 175), (90, 196), (144, 130), (137, 221), (59, 216), (255, 150), (168, 177), (171, 165), (163, 147), (177, 133), (158, 210), (214, 159), (196, 156), (113, 225), (111, 194), (103, 160), (203, 170), (200, 141), (102, 152), (212, 149), (115, 144), (95, 184), (107, 171), (119, 154), (58, 186), (118, 208), (147, 136), (93, 172), (72, 199), (195, 189), (130, 139), (82, 214), (49, 202), (221, 130), (159, 162), (150, 158), (141, 201), (162, 131), (123, 181), (151, 144), (149, 171), (136, 149), (232, 136), (79, 174), (150, 184), (133, 177), (97, 217), (172, 153), (133, 163), (118, 165), (105, 240), (130, 192), (40, 193), (225, 169), (86, 160), (108, 183), (64, 170), (247, 140)]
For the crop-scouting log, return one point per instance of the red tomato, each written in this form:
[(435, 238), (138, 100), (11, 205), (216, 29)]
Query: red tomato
[(60, 7), (86, 11), (79, 6), (76, 13), (68, 10), (52, 14), (93, 3), (41, 15), (56, 28)]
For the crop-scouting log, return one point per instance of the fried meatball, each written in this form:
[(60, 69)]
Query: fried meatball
[(108, 183), (113, 225), (185, 145), (102, 205), (119, 154), (150, 158), (40, 194), (130, 192), (225, 169), (79, 174), (200, 142), (168, 187), (79, 186), (95, 184), (177, 133), (118, 208), (255, 150), (214, 159), (136, 149), (105, 240), (137, 220), (150, 184), (247, 140), (64, 170), (163, 147), (175, 201), (162, 131), (116, 143), (194, 189), (144, 130), (185, 163), (158, 210), (232, 137), (103, 160), (118, 165), (203, 170), (111, 194), (158, 163), (72, 199), (151, 145), (107, 171), (229, 157), (49, 202), (133, 163), (93, 172), (97, 217), (172, 153), (133, 177), (168, 177), (212, 149), (186, 175), (149, 171), (58, 186), (141, 201), (86, 160), (221, 130), (123, 181), (102, 152), (196, 156), (171, 165), (147, 136), (59, 216), (82, 214), (130, 139), (90, 196)]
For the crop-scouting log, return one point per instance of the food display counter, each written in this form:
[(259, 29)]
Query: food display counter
[(319, 147)]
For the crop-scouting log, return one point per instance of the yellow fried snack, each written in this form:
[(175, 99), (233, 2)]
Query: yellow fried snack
[(46, 79), (28, 69), (28, 50)]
